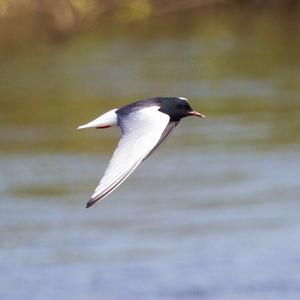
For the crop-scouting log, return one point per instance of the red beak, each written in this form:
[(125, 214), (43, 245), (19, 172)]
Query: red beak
[(196, 114)]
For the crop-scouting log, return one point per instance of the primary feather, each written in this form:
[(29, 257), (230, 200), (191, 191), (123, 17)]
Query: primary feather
[(142, 130)]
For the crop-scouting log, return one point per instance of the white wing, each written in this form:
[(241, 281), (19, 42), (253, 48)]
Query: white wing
[(141, 131), (166, 133)]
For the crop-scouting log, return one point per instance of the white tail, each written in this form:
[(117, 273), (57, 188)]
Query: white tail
[(108, 119)]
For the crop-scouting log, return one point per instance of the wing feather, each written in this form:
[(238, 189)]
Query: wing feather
[(142, 130), (168, 130)]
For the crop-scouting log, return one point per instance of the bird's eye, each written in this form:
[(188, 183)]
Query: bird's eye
[(182, 106)]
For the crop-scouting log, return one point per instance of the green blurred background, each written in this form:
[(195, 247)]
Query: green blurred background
[(63, 60), (214, 214)]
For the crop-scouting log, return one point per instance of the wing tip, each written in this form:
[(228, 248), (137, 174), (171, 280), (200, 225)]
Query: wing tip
[(91, 202)]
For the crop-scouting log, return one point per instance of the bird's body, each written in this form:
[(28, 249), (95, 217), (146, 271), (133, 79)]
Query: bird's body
[(144, 125)]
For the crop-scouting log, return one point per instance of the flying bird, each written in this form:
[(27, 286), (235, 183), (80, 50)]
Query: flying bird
[(144, 126)]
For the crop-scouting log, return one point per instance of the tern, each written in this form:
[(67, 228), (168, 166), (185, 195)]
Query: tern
[(144, 125)]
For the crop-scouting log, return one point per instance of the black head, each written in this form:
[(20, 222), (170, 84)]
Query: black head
[(176, 108)]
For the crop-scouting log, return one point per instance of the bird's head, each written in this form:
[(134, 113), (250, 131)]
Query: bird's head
[(177, 108)]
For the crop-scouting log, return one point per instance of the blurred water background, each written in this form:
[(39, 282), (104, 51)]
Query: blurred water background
[(214, 214)]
